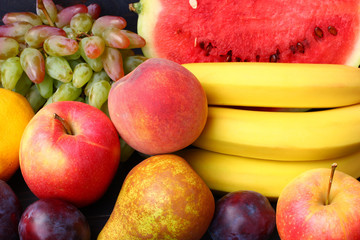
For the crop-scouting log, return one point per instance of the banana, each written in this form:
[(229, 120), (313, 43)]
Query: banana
[(288, 136), (284, 85), (228, 173)]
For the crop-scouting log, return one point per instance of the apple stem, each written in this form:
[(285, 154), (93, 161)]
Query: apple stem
[(42, 7), (64, 123), (333, 166)]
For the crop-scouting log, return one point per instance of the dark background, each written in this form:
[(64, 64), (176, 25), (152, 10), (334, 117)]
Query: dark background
[(97, 213)]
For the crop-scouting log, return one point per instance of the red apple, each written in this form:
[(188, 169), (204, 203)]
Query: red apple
[(305, 210), (70, 151), (160, 107)]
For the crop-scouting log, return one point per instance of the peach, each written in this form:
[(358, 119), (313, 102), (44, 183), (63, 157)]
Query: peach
[(160, 107)]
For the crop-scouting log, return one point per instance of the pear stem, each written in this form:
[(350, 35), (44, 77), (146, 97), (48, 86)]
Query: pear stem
[(42, 7), (333, 166), (64, 123)]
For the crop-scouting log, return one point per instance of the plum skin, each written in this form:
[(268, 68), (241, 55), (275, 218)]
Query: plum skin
[(242, 215), (10, 212), (48, 219)]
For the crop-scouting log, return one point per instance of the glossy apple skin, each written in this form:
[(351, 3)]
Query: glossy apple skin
[(301, 212), (160, 107), (76, 167), (245, 215), (10, 212), (48, 219)]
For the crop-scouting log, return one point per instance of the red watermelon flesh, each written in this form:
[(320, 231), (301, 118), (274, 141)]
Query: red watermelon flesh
[(311, 31)]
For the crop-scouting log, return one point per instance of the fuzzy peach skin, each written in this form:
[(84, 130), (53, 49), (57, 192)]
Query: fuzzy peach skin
[(302, 213), (76, 167), (160, 107), (161, 198)]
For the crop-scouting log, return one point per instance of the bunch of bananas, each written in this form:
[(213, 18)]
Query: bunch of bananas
[(269, 122)]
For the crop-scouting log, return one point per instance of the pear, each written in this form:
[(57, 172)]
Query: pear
[(162, 197)]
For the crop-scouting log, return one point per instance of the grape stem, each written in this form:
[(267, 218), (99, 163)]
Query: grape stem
[(41, 6), (333, 166), (64, 123)]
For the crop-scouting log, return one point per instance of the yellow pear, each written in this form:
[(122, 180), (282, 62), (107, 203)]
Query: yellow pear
[(161, 198)]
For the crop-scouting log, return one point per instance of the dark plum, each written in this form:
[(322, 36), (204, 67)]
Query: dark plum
[(10, 212), (242, 215), (53, 219)]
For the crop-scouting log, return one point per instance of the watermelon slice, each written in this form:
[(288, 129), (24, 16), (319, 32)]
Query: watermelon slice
[(311, 31)]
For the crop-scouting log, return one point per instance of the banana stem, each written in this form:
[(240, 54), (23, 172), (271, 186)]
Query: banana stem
[(333, 166)]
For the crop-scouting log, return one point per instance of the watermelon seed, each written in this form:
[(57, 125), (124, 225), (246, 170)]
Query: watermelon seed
[(257, 58), (237, 59), (273, 58), (202, 45), (208, 49), (332, 30), (293, 49), (318, 32), (300, 47)]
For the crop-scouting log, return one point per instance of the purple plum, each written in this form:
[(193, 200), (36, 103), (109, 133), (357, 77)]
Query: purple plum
[(10, 212), (53, 219), (242, 215)]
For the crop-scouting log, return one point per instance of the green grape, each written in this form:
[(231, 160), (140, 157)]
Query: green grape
[(80, 99), (51, 9), (81, 23), (33, 63), (96, 77), (46, 87), (29, 17), (74, 56), (9, 47), (66, 92), (99, 93), (93, 46), (96, 64), (70, 32), (75, 62), (131, 62), (126, 151), (82, 74), (127, 52), (58, 68), (11, 72), (60, 46), (57, 83), (23, 85), (35, 99), (49, 100)]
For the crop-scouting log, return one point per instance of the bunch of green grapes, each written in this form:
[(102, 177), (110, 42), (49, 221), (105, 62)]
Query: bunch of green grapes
[(65, 54)]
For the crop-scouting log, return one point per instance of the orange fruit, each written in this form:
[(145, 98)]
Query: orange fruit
[(15, 114)]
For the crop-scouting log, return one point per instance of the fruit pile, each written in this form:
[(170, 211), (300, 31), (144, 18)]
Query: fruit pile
[(70, 53), (244, 133)]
